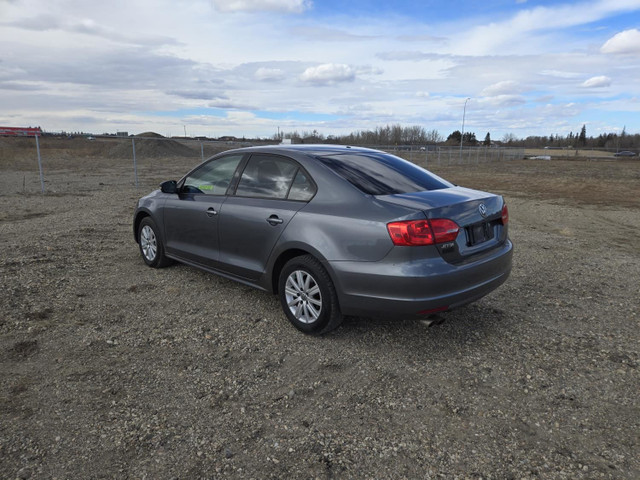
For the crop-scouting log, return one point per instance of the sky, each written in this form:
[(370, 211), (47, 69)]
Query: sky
[(251, 68)]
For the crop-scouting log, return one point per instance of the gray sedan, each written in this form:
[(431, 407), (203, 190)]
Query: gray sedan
[(331, 230)]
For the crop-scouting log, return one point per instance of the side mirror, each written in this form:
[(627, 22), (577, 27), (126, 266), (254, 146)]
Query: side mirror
[(170, 186)]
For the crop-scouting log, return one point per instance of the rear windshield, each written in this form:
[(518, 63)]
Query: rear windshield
[(383, 174)]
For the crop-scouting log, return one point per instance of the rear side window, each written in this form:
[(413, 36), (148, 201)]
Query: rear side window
[(270, 176), (303, 188), (383, 174)]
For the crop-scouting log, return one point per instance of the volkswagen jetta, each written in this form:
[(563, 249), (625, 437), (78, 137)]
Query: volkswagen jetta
[(331, 230)]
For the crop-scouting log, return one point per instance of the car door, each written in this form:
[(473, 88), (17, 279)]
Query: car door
[(271, 190), (191, 217)]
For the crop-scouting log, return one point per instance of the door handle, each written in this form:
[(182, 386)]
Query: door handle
[(211, 211), (274, 220)]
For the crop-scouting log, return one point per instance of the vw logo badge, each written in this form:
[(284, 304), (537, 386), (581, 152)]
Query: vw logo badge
[(483, 210)]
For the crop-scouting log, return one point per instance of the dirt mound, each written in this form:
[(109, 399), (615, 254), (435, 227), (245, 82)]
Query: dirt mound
[(149, 134), (152, 148)]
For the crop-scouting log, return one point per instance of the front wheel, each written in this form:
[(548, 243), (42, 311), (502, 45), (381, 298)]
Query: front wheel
[(308, 296), (151, 246)]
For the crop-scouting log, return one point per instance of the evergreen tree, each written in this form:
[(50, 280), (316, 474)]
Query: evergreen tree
[(487, 140), (469, 138), (583, 136), (454, 137)]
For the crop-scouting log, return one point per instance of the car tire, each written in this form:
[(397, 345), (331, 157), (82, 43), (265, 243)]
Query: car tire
[(150, 243), (308, 297)]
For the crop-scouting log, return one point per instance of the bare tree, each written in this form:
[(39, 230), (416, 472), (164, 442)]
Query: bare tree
[(509, 138)]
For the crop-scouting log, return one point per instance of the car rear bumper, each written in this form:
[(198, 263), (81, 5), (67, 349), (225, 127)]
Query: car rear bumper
[(415, 288)]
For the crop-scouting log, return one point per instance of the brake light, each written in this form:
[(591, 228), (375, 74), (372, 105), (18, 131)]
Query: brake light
[(445, 230), (423, 232), (505, 214)]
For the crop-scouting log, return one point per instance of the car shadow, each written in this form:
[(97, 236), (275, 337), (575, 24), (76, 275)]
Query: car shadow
[(466, 325)]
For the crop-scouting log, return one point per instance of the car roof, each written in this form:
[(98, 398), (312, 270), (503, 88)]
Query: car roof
[(308, 149)]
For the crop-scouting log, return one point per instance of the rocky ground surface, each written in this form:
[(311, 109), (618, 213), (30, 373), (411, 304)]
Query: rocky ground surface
[(110, 369)]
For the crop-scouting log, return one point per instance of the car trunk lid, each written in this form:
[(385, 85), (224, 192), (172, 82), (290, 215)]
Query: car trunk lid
[(477, 213)]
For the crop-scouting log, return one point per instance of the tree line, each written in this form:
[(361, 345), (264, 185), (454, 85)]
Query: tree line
[(417, 135), (388, 135), (609, 141)]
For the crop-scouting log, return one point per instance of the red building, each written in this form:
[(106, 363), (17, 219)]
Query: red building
[(20, 131)]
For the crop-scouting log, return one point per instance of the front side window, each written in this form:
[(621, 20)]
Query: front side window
[(212, 178), (269, 176)]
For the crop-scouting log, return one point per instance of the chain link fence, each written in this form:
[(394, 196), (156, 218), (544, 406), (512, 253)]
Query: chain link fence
[(136, 159), (437, 155)]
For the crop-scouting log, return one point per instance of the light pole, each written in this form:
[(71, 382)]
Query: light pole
[(464, 111)]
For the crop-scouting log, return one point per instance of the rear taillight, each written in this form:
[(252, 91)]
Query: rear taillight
[(505, 214), (444, 230), (423, 232)]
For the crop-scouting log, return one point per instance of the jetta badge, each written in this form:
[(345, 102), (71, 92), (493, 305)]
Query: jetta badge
[(483, 210)]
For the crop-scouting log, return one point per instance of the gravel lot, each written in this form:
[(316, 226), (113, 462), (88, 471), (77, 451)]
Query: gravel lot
[(111, 369)]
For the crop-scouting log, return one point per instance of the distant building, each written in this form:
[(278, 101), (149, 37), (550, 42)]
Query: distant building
[(122, 134), (21, 131)]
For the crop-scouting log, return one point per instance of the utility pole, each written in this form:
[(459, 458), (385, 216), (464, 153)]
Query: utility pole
[(464, 111)]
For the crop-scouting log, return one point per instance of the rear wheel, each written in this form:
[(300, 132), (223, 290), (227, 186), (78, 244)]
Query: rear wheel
[(308, 296), (151, 246)]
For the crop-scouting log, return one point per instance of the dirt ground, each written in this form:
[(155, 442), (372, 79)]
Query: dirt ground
[(110, 369)]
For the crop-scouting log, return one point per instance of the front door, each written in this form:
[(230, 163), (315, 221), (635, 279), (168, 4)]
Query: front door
[(192, 216)]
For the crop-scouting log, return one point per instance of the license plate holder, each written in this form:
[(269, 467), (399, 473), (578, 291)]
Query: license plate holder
[(479, 233)]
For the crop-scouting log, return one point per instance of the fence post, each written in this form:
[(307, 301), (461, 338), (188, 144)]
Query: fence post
[(40, 165), (201, 151), (135, 163)]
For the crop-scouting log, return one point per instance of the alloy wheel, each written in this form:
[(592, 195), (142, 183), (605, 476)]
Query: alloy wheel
[(303, 296), (148, 243)]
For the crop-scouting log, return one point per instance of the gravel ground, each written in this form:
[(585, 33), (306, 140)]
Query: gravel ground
[(111, 369)]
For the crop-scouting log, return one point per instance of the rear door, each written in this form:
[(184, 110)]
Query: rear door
[(271, 190)]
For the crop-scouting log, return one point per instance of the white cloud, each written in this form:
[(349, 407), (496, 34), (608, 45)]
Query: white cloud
[(368, 70), (269, 74), (506, 87), (85, 26), (597, 82), (413, 68), (287, 6), (503, 101), (403, 56), (329, 73), (515, 33), (627, 41), (327, 34), (559, 74), (422, 38)]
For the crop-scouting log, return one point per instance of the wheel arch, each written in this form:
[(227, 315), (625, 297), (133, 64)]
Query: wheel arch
[(136, 223), (283, 257), (280, 262)]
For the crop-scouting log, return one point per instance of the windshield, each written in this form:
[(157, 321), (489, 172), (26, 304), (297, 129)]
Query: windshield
[(382, 174)]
